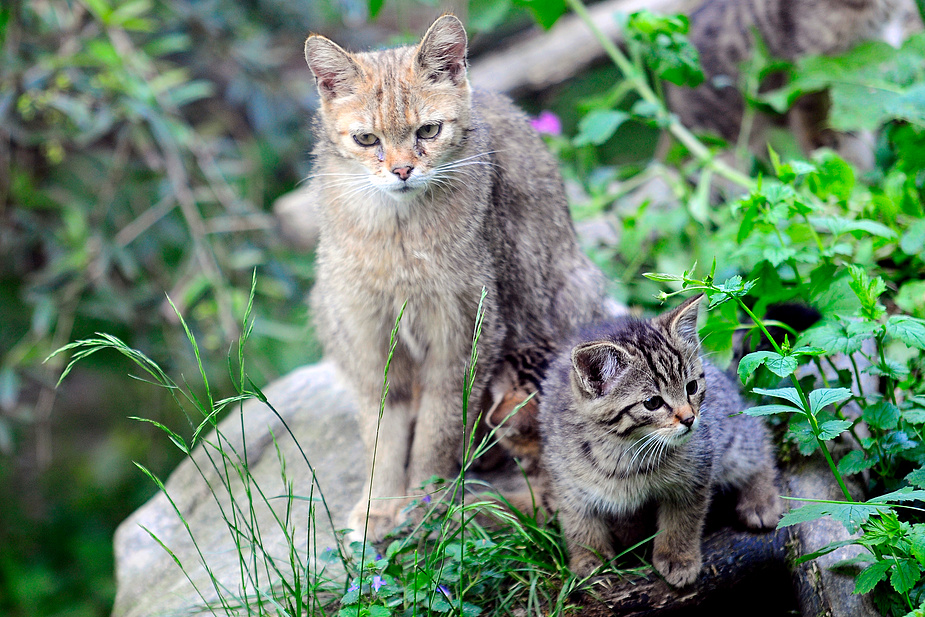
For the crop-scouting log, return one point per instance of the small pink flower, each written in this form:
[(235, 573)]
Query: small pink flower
[(547, 123), (377, 583)]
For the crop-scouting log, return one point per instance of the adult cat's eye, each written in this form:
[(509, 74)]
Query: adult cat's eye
[(429, 131), (692, 388), (366, 139), (653, 403)]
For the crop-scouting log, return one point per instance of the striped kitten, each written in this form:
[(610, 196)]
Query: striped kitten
[(722, 31), (631, 417)]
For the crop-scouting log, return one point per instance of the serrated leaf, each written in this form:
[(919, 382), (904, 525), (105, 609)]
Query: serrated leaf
[(599, 126), (768, 410), (809, 512), (855, 462), (909, 330), (906, 573), (916, 478), (883, 415), (917, 545), (800, 432), (833, 428), (834, 337), (851, 515), (871, 575), (907, 493), (662, 277), (789, 394), (823, 397)]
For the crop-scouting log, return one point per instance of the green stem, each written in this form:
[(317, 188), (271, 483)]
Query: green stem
[(678, 130), (890, 390), (813, 422)]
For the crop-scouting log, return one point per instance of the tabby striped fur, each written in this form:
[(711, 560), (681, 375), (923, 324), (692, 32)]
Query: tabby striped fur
[(427, 192), (610, 457)]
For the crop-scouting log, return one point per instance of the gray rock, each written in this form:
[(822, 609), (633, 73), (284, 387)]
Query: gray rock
[(321, 416)]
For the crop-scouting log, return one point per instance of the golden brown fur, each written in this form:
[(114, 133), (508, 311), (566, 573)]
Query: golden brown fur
[(427, 193)]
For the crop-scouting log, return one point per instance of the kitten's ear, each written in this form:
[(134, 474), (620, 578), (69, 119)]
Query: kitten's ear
[(596, 364), (442, 52), (681, 322), (332, 66)]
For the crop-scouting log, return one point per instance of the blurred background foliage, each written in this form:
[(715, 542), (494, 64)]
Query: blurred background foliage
[(142, 145)]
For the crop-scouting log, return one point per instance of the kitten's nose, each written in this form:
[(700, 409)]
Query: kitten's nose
[(685, 416), (403, 171)]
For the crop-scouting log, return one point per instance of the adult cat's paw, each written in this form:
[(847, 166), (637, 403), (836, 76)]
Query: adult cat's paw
[(759, 506), (679, 569), (382, 518)]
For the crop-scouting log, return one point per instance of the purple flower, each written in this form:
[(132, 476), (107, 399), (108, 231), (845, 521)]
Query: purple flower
[(445, 591), (425, 499), (547, 123), (353, 587), (377, 583)]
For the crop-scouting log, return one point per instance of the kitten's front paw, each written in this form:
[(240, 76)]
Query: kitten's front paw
[(679, 569)]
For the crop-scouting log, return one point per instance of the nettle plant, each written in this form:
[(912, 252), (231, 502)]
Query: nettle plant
[(806, 239)]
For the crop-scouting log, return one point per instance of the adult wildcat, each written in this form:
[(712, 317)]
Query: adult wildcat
[(429, 192)]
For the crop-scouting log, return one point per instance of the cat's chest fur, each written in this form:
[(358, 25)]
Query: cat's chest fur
[(621, 479)]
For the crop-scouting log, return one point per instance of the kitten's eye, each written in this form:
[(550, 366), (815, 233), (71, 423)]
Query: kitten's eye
[(692, 388), (366, 139), (653, 403), (429, 131)]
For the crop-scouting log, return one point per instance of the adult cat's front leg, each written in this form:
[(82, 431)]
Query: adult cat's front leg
[(389, 438)]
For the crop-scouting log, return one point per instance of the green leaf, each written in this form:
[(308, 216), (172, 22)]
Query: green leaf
[(868, 291), (545, 12), (838, 226), (835, 337), (909, 330), (855, 462), (823, 397), (907, 493), (789, 394), (917, 544), (883, 415), (374, 7), (599, 126), (782, 366), (906, 573), (768, 410), (833, 428), (809, 512), (917, 478), (871, 575)]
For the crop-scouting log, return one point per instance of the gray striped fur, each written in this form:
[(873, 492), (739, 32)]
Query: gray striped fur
[(610, 459), (483, 205)]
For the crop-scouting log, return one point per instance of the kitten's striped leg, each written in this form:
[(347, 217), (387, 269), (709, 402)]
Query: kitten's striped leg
[(676, 551), (588, 538)]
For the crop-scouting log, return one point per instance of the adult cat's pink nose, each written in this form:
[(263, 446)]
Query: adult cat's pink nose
[(403, 171)]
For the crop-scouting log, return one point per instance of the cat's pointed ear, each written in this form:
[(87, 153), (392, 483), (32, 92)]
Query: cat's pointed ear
[(681, 322), (596, 364), (333, 67), (442, 52)]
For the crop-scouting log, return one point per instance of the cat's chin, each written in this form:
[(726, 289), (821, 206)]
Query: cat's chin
[(403, 193)]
